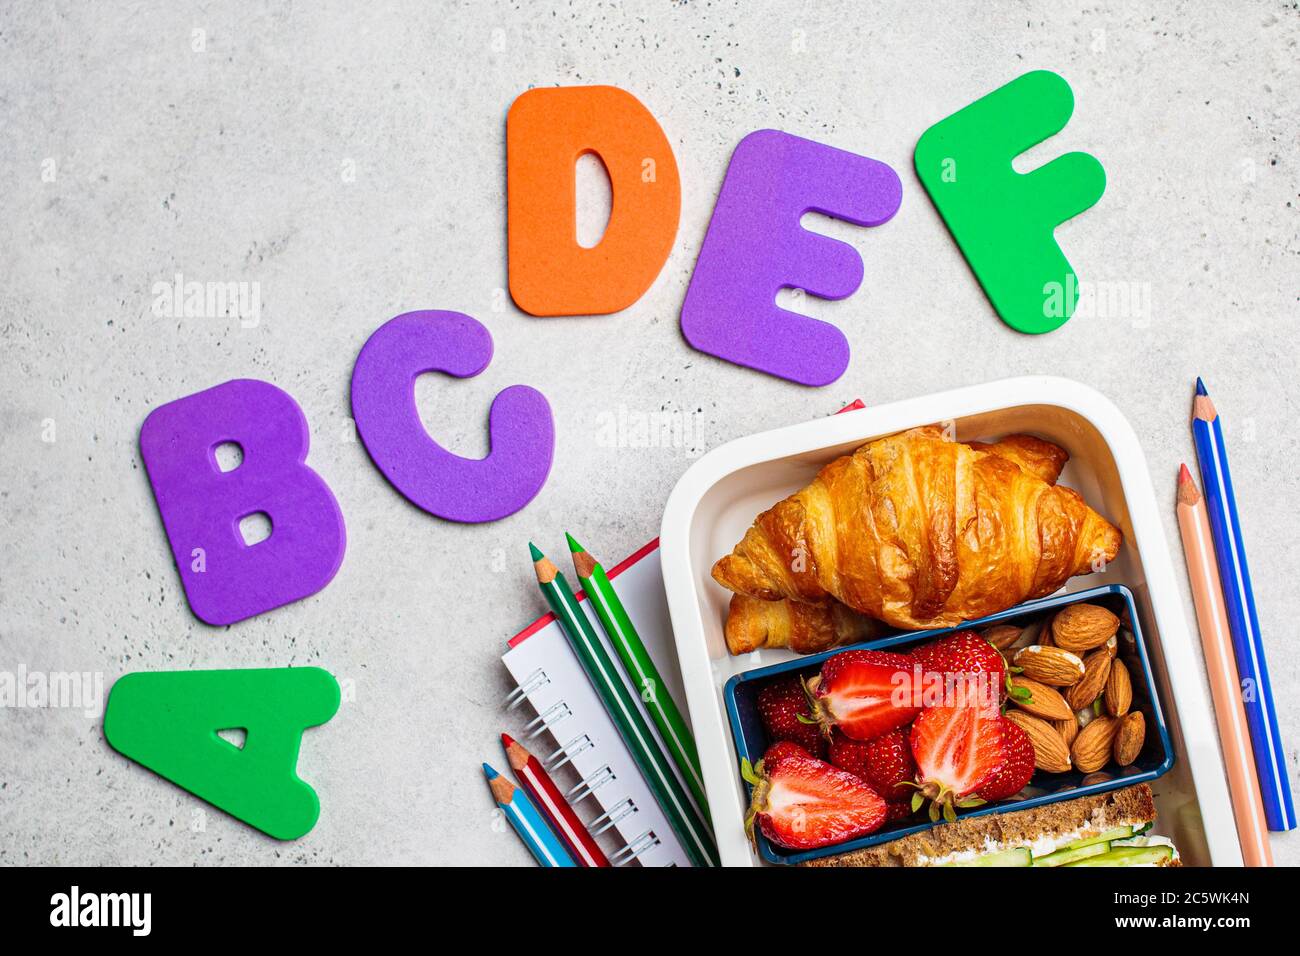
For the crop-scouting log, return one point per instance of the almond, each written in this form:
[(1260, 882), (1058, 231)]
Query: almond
[(1032, 631), (1111, 647), (1041, 701), (1045, 635), (1081, 627), (1096, 670), (1068, 729), (1002, 636), (1051, 753), (1092, 748), (1050, 665), (1119, 690), (1129, 738)]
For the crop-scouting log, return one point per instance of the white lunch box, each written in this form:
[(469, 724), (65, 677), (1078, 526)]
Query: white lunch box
[(718, 498)]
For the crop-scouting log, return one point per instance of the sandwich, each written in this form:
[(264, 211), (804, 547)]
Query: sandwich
[(1104, 829)]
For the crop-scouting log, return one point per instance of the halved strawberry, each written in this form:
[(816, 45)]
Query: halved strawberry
[(800, 802), (957, 751), (783, 709), (1019, 768), (863, 693), (885, 762)]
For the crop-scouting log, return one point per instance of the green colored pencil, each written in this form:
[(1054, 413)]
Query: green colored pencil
[(640, 669), (694, 833)]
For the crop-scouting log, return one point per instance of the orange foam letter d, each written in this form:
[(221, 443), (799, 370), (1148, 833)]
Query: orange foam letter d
[(546, 131)]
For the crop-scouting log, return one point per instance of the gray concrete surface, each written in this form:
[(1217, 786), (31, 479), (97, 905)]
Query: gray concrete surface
[(349, 159)]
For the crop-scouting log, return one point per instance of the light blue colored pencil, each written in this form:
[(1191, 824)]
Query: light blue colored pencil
[(1243, 621), (527, 821)]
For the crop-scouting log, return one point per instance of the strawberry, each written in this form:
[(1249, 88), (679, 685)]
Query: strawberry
[(885, 763), (800, 802), (1014, 775), (957, 751), (849, 754), (961, 651), (780, 705), (898, 810), (859, 692), (782, 749), (965, 652)]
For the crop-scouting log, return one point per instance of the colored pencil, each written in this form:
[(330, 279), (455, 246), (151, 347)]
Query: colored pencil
[(532, 776), (1243, 621), (1207, 594), (640, 669), (527, 821), (694, 834)]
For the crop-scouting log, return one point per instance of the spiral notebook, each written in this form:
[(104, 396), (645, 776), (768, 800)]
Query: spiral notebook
[(569, 712)]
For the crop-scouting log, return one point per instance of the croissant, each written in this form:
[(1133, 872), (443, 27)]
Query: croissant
[(804, 628), (1040, 458), (753, 623), (918, 531)]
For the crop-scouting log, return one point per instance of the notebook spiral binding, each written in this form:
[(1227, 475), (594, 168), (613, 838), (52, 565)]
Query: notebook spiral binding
[(535, 681), (611, 816), (563, 755), (581, 791), (640, 845), (543, 721)]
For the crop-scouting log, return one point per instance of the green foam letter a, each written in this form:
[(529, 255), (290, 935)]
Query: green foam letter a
[(169, 721)]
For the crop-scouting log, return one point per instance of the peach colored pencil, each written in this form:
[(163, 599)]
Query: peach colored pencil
[(1225, 686)]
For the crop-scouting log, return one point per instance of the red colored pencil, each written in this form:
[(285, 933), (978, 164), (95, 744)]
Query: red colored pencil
[(539, 785)]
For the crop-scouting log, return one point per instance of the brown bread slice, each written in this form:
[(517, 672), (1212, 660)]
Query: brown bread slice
[(1091, 814)]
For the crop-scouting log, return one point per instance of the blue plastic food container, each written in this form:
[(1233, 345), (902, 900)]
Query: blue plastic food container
[(1156, 758)]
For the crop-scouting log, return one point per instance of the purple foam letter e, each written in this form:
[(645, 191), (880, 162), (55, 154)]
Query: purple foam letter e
[(755, 246), (225, 579)]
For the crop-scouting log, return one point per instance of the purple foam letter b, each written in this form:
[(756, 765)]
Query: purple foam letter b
[(447, 485), (225, 579), (755, 247)]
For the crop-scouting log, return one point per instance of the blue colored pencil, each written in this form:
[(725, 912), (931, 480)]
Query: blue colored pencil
[(1243, 621), (527, 821)]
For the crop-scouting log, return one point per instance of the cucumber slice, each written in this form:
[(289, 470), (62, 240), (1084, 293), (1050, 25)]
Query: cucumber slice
[(1138, 831), (1016, 857), (1129, 856), (1118, 833), (1062, 857), (1139, 839)]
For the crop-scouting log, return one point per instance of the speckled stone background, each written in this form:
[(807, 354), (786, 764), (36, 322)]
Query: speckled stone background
[(350, 160)]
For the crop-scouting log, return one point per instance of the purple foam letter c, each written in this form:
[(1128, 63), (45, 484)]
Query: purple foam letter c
[(755, 246), (225, 579), (383, 403)]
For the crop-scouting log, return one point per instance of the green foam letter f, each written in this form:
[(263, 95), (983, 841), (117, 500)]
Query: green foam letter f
[(1003, 220)]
